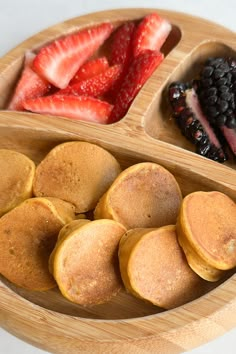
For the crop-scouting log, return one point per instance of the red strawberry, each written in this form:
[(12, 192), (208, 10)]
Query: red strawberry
[(121, 49), (30, 85), (59, 61), (151, 33), (121, 53), (76, 107), (94, 86), (89, 69), (139, 71)]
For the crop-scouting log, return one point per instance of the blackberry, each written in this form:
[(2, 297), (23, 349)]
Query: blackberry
[(217, 91), (192, 122)]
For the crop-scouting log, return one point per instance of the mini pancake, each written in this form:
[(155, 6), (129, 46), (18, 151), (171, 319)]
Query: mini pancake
[(28, 234), (206, 230), (77, 172), (17, 174), (85, 261), (143, 195), (154, 268)]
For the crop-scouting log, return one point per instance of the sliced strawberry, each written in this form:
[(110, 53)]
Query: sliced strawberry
[(89, 69), (139, 71), (151, 33), (121, 49), (76, 107), (59, 61), (95, 86), (30, 85), (121, 53)]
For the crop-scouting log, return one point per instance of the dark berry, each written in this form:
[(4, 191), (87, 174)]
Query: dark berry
[(207, 82), (211, 91), (211, 100), (207, 71), (220, 120), (193, 123), (222, 105), (218, 73), (226, 96), (224, 88), (224, 67), (231, 123), (221, 81), (212, 111)]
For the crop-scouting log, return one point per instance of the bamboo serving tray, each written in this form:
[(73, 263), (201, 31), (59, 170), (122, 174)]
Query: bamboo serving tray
[(146, 133)]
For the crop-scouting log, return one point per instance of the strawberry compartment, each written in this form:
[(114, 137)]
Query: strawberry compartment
[(10, 73), (160, 122)]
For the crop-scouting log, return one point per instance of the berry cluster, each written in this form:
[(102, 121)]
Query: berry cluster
[(205, 108), (217, 91)]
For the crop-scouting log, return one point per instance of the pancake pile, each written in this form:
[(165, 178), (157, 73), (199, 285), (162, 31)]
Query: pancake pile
[(206, 230), (154, 268), (143, 195), (78, 222), (17, 174)]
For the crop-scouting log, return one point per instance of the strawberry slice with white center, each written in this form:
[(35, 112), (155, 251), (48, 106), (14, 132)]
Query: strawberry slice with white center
[(151, 33), (59, 61), (140, 69), (76, 107), (95, 86), (30, 85), (90, 68)]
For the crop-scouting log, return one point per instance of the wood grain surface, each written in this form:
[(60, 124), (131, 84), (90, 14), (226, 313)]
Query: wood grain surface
[(146, 133)]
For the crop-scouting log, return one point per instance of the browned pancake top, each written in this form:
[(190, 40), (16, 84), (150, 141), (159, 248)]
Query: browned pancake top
[(17, 172), (210, 218), (159, 272), (145, 195), (86, 263), (28, 235), (78, 172)]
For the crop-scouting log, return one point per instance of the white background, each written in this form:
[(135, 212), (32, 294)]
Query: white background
[(20, 19)]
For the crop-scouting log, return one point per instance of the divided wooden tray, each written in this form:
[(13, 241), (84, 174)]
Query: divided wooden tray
[(146, 133)]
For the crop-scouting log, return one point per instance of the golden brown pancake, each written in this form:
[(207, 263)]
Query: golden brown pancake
[(154, 268), (28, 234), (85, 261), (143, 195), (77, 172), (206, 230), (17, 174)]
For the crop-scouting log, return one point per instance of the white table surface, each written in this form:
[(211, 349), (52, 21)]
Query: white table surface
[(20, 19)]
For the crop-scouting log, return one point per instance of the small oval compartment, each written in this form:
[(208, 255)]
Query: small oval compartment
[(160, 123)]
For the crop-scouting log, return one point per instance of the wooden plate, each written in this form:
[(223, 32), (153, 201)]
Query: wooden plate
[(146, 133)]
